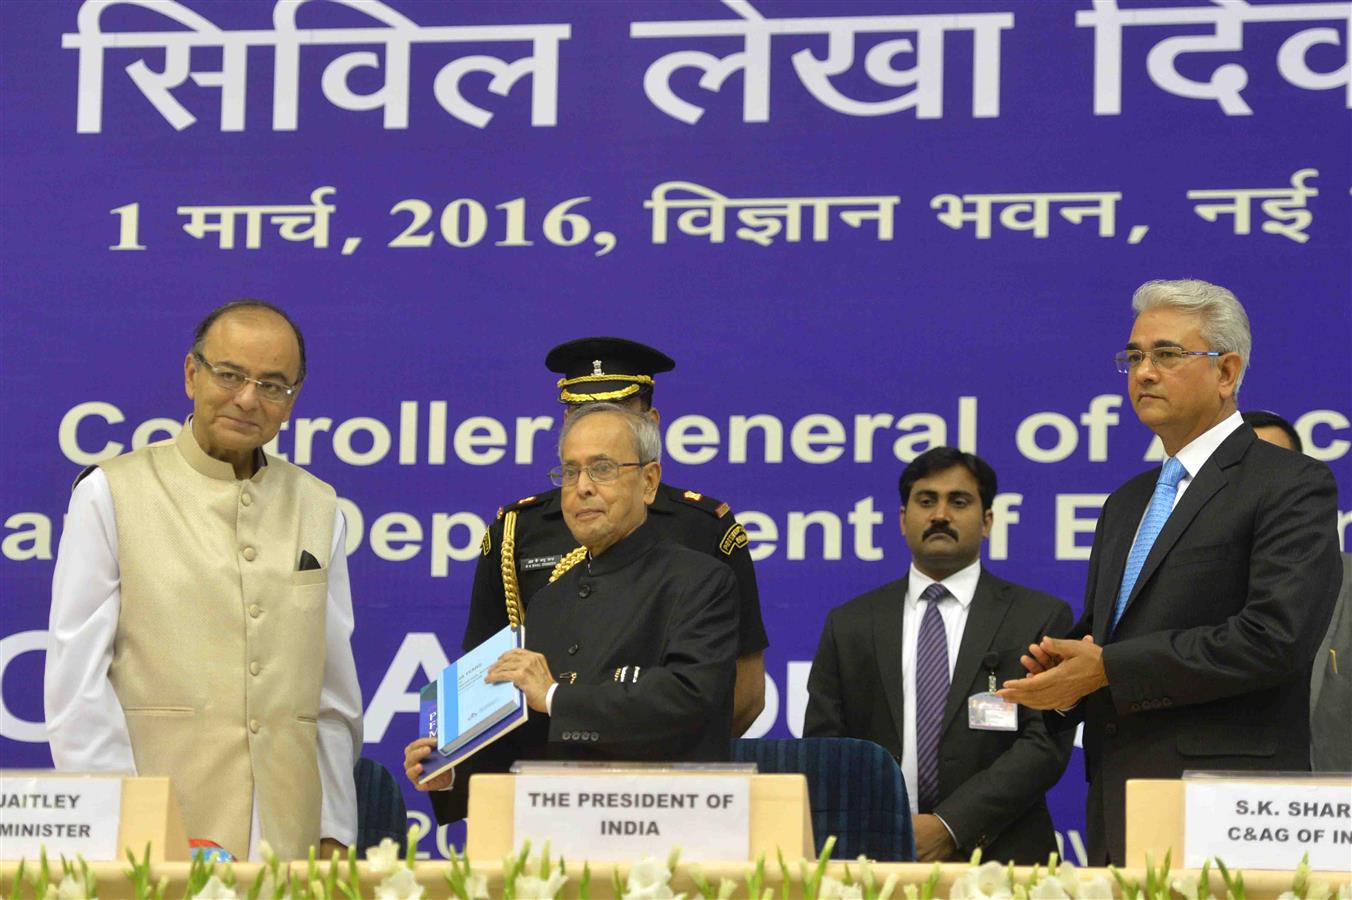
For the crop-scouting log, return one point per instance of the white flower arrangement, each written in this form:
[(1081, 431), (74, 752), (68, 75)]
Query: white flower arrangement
[(541, 878)]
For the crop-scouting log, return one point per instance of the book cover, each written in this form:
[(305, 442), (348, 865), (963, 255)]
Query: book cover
[(462, 712)]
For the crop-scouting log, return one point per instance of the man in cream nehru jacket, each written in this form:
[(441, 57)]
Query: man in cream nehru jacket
[(201, 612)]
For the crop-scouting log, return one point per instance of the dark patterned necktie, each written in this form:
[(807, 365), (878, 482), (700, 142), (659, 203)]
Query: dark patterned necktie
[(931, 695)]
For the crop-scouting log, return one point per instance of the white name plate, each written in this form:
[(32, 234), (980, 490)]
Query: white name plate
[(1268, 824), (626, 817), (71, 815)]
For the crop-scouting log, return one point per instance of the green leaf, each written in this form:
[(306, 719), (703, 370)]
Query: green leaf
[(932, 883), (1300, 885), (1131, 890)]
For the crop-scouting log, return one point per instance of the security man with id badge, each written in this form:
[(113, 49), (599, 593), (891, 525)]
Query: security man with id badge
[(914, 666)]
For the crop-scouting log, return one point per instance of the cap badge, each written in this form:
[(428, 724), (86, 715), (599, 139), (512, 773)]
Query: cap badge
[(596, 367)]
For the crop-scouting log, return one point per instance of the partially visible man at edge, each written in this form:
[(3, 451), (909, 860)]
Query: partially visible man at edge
[(1211, 579), (1330, 679), (528, 539), (201, 612), (631, 652)]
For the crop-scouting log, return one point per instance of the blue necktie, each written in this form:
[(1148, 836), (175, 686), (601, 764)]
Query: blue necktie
[(1161, 504), (931, 693)]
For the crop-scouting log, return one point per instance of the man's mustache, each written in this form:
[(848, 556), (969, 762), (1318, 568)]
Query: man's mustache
[(940, 528)]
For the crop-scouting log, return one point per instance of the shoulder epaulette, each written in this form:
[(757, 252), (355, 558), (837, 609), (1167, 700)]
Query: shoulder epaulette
[(523, 503), (716, 508), (82, 476)]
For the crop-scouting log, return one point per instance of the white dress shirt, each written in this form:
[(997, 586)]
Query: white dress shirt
[(962, 586), (86, 729)]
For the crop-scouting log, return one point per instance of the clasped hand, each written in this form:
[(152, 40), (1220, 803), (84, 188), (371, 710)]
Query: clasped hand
[(1060, 673)]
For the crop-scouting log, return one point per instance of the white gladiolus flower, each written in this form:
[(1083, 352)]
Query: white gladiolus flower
[(69, 889), (477, 887), (1049, 889), (1065, 877), (1100, 887), (399, 885), (384, 858), (649, 879), (528, 887), (991, 880), (215, 889), (831, 889)]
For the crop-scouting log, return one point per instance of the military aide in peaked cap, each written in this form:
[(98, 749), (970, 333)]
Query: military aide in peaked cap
[(529, 546), (605, 368)]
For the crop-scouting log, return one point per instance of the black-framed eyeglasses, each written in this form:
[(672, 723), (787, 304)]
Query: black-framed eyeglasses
[(603, 471), (1160, 357), (233, 380)]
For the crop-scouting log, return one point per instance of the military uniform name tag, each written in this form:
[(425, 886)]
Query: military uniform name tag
[(989, 712)]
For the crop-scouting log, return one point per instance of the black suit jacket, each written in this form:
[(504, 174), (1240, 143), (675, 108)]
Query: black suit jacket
[(1209, 667), (992, 783), (643, 643)]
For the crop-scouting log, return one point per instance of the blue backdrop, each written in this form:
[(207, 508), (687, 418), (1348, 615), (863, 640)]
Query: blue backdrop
[(861, 228)]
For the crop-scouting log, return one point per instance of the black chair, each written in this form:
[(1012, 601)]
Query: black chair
[(855, 790), (380, 807)]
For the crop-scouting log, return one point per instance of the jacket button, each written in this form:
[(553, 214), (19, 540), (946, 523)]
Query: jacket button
[(584, 590), (255, 668), (1110, 729), (1135, 707), (595, 736), (254, 726), (255, 610), (245, 499), (572, 651), (250, 554), (1167, 702)]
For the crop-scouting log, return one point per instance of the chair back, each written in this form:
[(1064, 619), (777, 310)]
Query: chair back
[(380, 807), (855, 789)]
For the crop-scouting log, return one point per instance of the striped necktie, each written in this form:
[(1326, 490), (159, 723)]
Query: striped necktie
[(1161, 504), (931, 695)]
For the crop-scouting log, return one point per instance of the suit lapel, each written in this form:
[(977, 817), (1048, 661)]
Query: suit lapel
[(888, 611), (984, 618), (1116, 552), (1209, 481)]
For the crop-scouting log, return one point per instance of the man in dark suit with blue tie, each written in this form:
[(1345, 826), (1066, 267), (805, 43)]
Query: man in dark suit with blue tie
[(899, 665), (1211, 579)]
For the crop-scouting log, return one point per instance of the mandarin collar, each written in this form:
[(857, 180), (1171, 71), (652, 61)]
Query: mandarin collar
[(639, 542), (209, 466)]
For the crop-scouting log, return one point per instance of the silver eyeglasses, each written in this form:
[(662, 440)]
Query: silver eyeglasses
[(603, 471), (233, 381), (1160, 357)]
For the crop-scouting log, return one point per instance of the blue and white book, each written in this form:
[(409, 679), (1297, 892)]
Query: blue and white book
[(462, 712)]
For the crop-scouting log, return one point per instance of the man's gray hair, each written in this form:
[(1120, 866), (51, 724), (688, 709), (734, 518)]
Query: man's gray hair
[(647, 439), (1225, 325)]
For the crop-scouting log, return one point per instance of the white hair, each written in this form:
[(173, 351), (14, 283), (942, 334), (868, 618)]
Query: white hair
[(647, 439), (1225, 325)]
